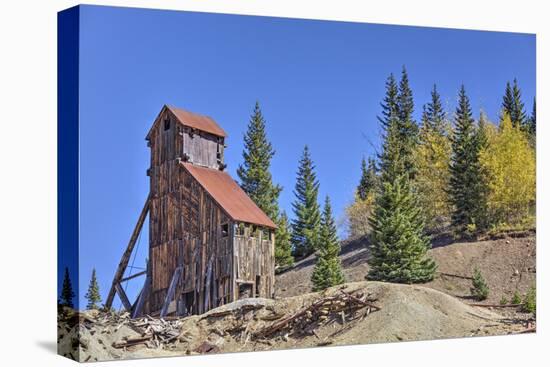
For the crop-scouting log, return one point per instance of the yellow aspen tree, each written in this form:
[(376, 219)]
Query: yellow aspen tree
[(509, 162)]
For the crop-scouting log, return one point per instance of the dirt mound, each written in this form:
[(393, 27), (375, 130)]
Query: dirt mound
[(355, 313)]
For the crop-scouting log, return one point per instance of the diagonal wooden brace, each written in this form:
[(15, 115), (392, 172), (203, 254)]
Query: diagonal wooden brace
[(126, 256)]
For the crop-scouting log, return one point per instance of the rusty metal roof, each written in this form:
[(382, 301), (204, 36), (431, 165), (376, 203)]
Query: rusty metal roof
[(196, 121), (229, 195)]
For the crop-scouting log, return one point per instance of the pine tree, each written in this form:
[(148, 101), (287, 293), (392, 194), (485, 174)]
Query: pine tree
[(434, 118), (398, 243), (254, 173), (466, 188), (407, 128), (93, 295), (389, 104), (67, 293), (305, 226), (368, 181), (328, 270), (513, 105), (533, 120), (432, 158), (479, 290), (508, 99), (283, 246)]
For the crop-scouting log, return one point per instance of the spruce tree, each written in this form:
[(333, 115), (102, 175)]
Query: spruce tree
[(400, 130), (305, 226), (408, 129), (67, 293), (389, 103), (328, 269), (513, 105), (283, 246), (398, 243), (533, 120), (93, 295), (368, 181), (434, 118), (479, 289), (467, 182), (254, 173), (432, 161)]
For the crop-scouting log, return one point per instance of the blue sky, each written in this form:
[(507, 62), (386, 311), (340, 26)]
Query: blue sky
[(318, 83)]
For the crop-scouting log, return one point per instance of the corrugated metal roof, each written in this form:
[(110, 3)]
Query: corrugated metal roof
[(196, 121), (229, 195)]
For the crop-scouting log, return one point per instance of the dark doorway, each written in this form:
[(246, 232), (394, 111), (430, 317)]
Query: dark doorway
[(245, 290), (188, 304), (258, 285)]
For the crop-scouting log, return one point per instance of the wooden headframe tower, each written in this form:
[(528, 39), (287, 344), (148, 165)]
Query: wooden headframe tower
[(209, 244)]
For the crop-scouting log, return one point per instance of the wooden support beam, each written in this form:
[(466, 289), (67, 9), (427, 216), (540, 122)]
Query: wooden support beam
[(127, 253), (133, 276), (171, 291), (122, 295)]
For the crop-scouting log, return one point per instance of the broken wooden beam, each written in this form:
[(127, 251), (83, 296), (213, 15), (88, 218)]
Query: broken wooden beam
[(132, 341)]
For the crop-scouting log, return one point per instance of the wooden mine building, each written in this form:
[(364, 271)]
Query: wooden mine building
[(209, 244)]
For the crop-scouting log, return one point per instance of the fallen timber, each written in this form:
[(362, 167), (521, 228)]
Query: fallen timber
[(322, 311)]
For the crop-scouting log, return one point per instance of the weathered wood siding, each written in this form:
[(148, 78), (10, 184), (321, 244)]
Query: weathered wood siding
[(188, 229), (254, 260), (203, 149)]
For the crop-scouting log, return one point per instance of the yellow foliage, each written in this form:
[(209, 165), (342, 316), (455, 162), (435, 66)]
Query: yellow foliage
[(432, 157), (357, 216), (509, 162)]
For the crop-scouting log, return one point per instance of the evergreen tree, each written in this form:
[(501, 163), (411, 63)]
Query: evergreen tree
[(254, 173), (398, 244), (93, 295), (434, 118), (305, 226), (368, 181), (328, 270), (479, 290), (407, 128), (533, 120), (389, 104), (467, 184), (513, 105), (283, 246), (432, 158), (67, 293)]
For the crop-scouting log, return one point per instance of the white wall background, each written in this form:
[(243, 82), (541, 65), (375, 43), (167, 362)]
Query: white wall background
[(28, 179)]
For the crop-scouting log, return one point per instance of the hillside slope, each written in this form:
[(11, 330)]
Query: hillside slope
[(508, 264)]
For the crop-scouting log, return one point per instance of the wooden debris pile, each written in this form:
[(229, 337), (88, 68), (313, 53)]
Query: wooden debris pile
[(343, 307), (153, 332)]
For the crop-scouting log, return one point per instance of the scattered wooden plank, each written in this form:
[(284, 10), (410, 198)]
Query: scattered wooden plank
[(132, 341)]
